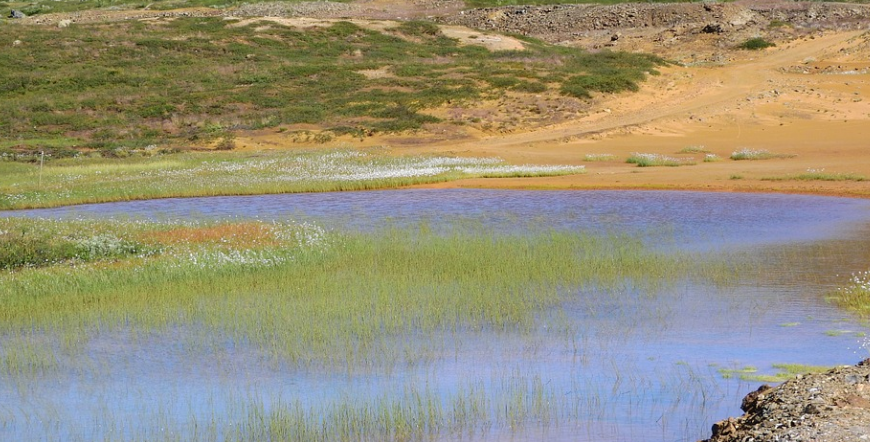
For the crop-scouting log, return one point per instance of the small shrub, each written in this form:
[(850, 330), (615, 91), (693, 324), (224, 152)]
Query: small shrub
[(756, 44)]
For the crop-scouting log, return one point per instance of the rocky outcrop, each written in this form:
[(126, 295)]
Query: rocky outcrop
[(825, 407), (566, 22)]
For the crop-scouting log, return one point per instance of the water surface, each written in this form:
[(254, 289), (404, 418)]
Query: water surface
[(636, 367)]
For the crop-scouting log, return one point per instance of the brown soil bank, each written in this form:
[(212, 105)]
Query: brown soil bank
[(825, 407)]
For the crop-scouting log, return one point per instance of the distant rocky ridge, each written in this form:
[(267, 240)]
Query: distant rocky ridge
[(825, 407), (569, 22)]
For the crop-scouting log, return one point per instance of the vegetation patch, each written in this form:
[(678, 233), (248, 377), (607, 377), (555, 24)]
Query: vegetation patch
[(785, 372), (694, 149), (757, 154), (756, 44), (196, 81), (85, 179), (298, 292), (817, 176), (654, 159), (592, 157), (854, 295)]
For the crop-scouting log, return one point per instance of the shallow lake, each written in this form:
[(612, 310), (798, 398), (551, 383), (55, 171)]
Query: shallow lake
[(638, 367)]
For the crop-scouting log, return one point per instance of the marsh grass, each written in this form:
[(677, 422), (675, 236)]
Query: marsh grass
[(89, 180), (854, 295), (757, 154), (784, 372), (817, 176), (655, 160), (304, 297)]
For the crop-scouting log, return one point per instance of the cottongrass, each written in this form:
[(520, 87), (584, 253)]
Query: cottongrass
[(855, 295), (817, 175), (711, 158), (757, 154), (181, 175), (654, 159)]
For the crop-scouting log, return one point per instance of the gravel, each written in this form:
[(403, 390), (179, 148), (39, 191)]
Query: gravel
[(825, 407)]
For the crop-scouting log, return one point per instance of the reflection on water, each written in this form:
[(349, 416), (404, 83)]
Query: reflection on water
[(632, 367)]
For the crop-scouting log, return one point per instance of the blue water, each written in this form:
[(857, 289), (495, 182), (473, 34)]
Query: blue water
[(637, 368)]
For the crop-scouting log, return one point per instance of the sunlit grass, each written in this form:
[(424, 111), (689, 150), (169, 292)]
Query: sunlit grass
[(694, 149), (854, 295), (784, 372), (304, 296), (817, 176), (87, 180)]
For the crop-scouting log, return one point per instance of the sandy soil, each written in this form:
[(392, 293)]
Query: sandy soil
[(760, 100), (807, 98)]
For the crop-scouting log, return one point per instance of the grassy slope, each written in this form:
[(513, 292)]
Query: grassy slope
[(192, 81)]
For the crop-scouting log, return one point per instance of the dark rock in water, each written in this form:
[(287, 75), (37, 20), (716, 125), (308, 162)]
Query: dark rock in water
[(16, 14)]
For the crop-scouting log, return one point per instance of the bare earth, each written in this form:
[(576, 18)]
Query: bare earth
[(807, 98)]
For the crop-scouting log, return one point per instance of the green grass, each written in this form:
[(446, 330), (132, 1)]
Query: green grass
[(129, 85), (728, 373), (655, 160), (306, 297), (854, 295), (785, 372), (146, 174), (756, 44), (817, 176)]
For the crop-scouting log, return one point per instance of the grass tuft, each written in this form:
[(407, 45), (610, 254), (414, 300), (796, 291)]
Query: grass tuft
[(653, 160), (817, 176), (756, 44), (757, 154)]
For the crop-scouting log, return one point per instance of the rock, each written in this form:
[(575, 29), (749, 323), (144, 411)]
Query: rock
[(712, 29), (17, 14), (751, 401), (818, 407), (64, 23)]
